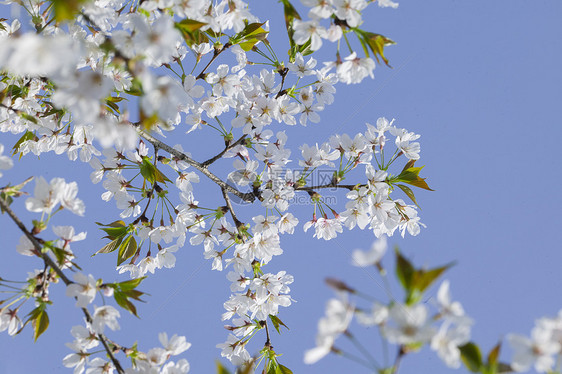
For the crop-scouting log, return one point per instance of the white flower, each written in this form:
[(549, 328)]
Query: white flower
[(372, 257), (448, 309), (339, 314), (47, 196), (350, 10), (305, 30), (66, 233), (9, 320), (175, 345), (78, 359), (536, 351), (5, 161), (180, 367), (287, 223), (156, 41), (411, 324), (105, 316), (377, 316), (25, 246), (447, 342), (84, 289), (99, 366)]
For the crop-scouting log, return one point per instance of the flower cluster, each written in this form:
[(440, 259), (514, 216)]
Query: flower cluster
[(408, 325), (542, 349), (72, 87)]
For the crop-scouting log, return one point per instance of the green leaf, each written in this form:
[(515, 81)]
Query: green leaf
[(150, 172), (110, 247), (494, 354), (122, 300), (189, 29), (25, 137), (66, 9), (117, 223), (189, 25), (250, 36), (130, 284), (147, 169), (409, 164), (411, 176), (193, 37), (127, 249), (290, 13), (40, 320), (9, 192), (272, 367), (422, 279), (29, 117), (471, 356), (404, 270), (389, 370), (376, 43), (281, 369), (115, 232), (277, 322), (408, 191), (221, 369)]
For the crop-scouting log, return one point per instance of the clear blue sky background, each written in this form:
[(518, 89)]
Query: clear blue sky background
[(481, 81)]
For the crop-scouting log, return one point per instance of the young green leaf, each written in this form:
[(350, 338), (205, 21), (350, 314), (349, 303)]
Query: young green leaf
[(66, 9), (110, 247), (277, 322), (281, 369), (404, 270), (424, 278), (122, 300), (127, 249), (408, 191), (471, 356), (376, 43), (221, 369), (40, 320)]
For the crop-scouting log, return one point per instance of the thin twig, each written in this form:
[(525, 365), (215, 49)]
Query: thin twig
[(246, 196), (268, 341), (330, 185), (226, 149), (398, 359), (216, 54), (237, 222)]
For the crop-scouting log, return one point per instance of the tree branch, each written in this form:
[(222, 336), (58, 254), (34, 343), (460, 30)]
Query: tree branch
[(50, 263), (329, 185), (237, 222), (226, 149), (246, 196), (216, 54)]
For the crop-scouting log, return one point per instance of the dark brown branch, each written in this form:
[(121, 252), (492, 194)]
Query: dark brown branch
[(330, 185), (398, 359), (216, 54), (283, 72), (237, 222), (246, 196), (226, 149)]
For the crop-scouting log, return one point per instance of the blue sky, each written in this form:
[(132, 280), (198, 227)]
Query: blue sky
[(481, 82)]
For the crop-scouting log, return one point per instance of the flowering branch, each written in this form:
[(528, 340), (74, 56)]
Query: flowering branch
[(249, 197), (237, 222), (50, 263), (226, 149)]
